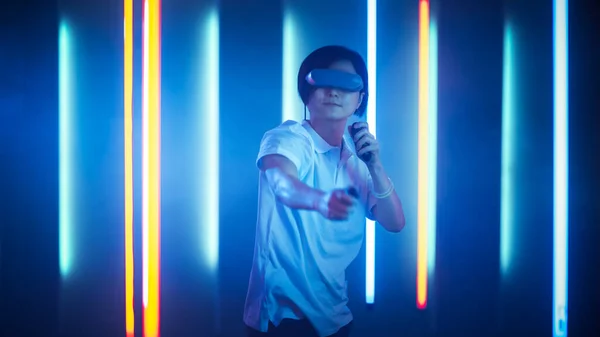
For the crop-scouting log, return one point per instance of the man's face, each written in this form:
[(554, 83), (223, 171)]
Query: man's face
[(334, 104)]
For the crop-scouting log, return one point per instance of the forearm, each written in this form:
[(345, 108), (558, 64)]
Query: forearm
[(292, 192), (388, 211)]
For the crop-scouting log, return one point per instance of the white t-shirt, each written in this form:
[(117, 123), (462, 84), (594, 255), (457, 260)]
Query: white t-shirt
[(300, 257)]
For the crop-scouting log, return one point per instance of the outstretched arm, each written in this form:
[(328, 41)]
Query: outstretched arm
[(282, 176)]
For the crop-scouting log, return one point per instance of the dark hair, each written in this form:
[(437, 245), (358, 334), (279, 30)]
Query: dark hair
[(323, 58)]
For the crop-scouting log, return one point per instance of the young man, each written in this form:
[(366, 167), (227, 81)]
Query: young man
[(315, 191)]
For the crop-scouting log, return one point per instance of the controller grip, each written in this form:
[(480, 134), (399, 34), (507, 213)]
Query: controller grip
[(367, 156), (352, 191)]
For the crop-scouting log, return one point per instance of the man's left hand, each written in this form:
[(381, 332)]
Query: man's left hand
[(366, 143)]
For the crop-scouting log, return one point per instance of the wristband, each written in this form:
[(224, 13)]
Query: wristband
[(385, 194)]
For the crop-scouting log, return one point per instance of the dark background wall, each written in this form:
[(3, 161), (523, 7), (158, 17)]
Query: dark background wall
[(470, 296)]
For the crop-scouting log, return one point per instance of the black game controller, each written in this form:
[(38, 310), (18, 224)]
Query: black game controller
[(367, 156), (351, 191)]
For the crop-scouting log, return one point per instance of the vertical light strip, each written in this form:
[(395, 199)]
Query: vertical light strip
[(508, 154), (128, 151), (561, 167), (290, 110), (65, 150), (145, 151), (372, 121), (422, 198), (210, 141), (151, 178), (432, 149)]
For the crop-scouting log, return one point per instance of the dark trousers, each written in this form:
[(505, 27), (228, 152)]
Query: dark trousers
[(295, 328)]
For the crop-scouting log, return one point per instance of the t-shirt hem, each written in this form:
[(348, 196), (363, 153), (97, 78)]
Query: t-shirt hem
[(253, 324)]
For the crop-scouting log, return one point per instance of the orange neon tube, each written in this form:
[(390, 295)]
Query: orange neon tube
[(128, 142), (422, 161), (152, 100)]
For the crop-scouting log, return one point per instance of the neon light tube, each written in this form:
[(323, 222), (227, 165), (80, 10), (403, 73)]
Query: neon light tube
[(561, 167), (432, 148), (422, 198), (128, 160), (290, 109), (145, 159), (210, 111), (372, 121), (151, 167), (509, 160), (65, 150)]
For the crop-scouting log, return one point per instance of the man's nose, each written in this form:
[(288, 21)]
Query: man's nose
[(332, 92)]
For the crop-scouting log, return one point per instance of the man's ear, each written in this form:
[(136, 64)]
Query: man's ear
[(360, 99)]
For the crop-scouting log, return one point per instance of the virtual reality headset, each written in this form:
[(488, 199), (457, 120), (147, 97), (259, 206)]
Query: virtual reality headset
[(335, 79)]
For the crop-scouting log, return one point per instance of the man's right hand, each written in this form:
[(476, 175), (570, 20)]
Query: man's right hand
[(336, 205), (282, 176)]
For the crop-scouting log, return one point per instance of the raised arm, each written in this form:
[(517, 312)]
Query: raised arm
[(387, 209)]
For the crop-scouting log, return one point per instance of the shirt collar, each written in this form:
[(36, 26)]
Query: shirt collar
[(321, 146)]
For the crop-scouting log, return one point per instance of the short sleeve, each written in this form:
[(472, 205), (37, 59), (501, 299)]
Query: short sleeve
[(287, 140)]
